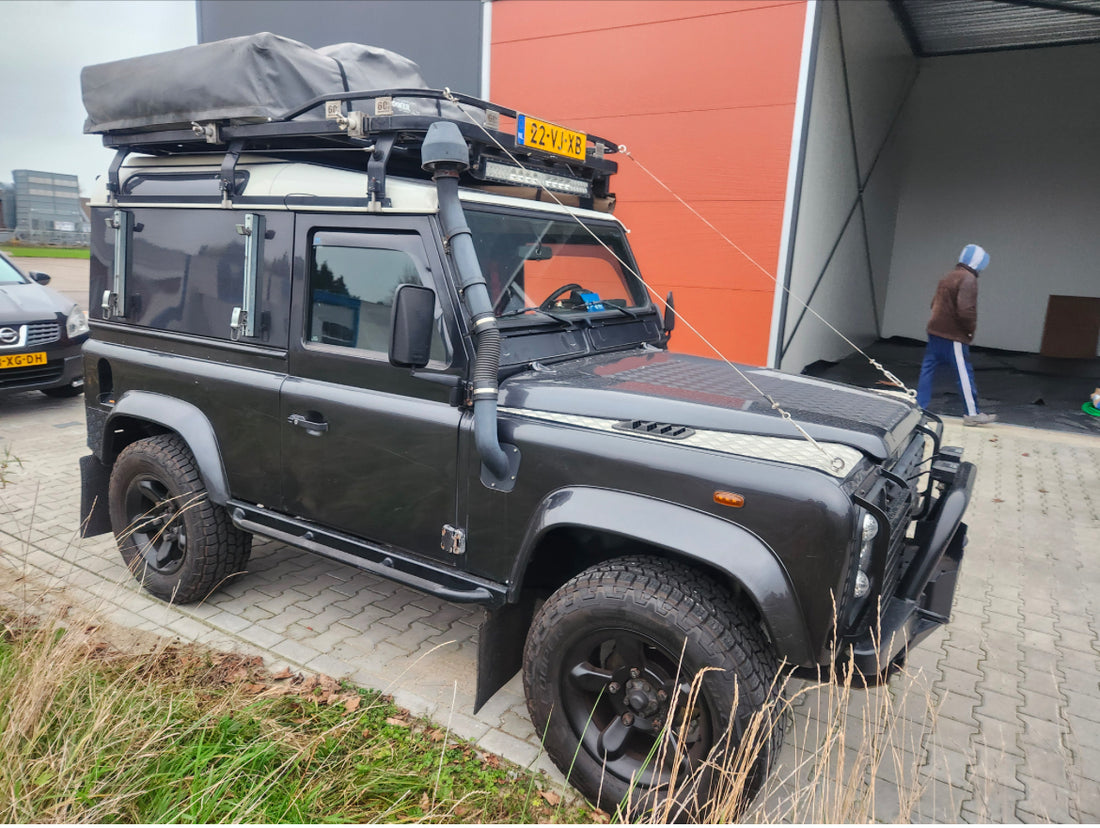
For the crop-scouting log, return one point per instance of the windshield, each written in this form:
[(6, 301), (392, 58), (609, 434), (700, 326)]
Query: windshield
[(553, 265), (9, 275)]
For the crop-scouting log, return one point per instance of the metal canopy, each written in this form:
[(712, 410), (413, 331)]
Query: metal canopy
[(951, 27)]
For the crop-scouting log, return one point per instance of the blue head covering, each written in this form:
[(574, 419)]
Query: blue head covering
[(974, 257)]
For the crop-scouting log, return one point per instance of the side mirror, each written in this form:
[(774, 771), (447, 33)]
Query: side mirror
[(41, 278), (669, 321), (412, 326)]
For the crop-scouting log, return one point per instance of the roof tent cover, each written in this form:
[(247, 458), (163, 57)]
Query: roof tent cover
[(253, 78)]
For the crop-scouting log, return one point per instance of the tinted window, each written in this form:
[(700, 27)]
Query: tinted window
[(180, 184), (351, 296), (187, 271)]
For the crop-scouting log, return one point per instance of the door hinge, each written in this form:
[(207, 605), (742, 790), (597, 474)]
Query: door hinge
[(453, 541)]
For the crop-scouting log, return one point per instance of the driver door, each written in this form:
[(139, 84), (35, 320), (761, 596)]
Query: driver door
[(368, 449)]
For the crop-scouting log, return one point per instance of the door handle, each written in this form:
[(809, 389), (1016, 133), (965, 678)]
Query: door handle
[(312, 427)]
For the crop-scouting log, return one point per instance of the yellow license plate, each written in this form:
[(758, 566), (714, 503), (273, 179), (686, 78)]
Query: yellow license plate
[(22, 360), (542, 135)]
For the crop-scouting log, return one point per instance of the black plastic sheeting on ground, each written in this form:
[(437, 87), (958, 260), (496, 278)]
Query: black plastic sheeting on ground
[(1020, 388)]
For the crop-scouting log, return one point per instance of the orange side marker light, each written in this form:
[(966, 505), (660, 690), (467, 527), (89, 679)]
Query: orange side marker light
[(729, 499)]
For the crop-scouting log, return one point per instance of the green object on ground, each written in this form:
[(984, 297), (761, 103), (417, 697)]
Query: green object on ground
[(46, 252), (1089, 408)]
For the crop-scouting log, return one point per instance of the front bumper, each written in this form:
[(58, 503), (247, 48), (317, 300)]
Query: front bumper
[(64, 365), (922, 600)]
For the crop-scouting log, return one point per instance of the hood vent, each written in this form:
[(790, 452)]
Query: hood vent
[(652, 429)]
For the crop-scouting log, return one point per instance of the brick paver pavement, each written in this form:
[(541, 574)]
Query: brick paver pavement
[(1014, 680)]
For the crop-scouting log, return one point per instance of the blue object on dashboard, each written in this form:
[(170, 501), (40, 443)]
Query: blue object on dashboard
[(592, 301)]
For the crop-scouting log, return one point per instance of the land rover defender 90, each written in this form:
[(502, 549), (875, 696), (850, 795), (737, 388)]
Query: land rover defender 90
[(400, 328)]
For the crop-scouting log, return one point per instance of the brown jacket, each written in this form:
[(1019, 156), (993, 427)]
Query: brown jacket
[(955, 306)]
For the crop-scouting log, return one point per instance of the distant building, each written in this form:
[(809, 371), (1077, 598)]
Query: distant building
[(7, 206), (46, 209)]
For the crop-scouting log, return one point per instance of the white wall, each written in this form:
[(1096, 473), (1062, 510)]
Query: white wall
[(1001, 149), (880, 69)]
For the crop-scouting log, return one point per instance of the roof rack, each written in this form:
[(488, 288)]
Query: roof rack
[(389, 133)]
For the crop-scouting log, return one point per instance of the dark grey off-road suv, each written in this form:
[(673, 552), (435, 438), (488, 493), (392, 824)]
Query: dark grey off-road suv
[(362, 326)]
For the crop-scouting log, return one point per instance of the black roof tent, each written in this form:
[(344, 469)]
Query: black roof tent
[(268, 94)]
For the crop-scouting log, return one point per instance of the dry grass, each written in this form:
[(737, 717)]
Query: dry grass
[(855, 756), (163, 733)]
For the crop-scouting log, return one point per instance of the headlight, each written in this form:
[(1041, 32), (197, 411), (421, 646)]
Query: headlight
[(869, 528), (77, 323), (863, 584), (868, 532)]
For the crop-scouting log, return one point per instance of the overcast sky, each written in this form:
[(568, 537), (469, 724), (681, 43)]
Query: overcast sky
[(43, 46)]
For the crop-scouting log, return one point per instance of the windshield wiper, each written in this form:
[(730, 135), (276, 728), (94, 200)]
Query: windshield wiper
[(535, 309)]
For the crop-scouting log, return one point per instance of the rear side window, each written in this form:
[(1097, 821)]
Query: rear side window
[(187, 273), (352, 289)]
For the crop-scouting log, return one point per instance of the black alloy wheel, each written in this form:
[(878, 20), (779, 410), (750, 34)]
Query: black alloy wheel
[(609, 668), (178, 545), (618, 689), (156, 526)]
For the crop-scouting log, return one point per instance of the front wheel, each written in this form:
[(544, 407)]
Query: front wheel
[(615, 678), (179, 545)]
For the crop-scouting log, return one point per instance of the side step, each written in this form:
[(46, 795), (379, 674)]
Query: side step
[(444, 583)]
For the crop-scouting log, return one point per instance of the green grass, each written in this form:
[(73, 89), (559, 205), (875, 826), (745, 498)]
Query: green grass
[(8, 464), (46, 252), (177, 734)]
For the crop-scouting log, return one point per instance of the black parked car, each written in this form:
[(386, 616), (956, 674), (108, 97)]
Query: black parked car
[(40, 335), (375, 337)]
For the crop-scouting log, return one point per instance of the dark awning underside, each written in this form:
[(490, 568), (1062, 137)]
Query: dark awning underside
[(949, 27)]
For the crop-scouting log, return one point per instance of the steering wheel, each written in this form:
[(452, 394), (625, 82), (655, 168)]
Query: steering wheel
[(548, 302)]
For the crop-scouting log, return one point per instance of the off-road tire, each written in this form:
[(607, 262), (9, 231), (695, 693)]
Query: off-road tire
[(666, 604), (157, 476)]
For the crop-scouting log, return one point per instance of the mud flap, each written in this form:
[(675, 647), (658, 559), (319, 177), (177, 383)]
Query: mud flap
[(501, 637), (95, 517)]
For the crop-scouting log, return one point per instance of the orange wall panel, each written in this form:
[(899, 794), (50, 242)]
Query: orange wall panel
[(702, 93), (548, 18)]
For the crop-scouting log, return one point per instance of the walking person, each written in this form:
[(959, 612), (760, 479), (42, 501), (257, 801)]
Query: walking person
[(951, 330)]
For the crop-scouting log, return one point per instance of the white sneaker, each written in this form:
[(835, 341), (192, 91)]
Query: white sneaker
[(979, 419)]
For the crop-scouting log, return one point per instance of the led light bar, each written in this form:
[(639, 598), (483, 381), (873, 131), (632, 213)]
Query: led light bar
[(509, 174)]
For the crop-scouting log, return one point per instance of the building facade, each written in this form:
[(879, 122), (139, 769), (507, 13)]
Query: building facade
[(794, 166), (44, 208)]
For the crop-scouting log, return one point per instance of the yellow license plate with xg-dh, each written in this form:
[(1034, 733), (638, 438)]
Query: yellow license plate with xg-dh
[(22, 360), (542, 135)]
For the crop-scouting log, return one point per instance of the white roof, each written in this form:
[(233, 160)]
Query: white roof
[(278, 179)]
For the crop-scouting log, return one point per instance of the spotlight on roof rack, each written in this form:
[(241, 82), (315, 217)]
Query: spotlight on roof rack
[(509, 174)]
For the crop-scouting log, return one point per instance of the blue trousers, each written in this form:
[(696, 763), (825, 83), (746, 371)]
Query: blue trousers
[(956, 357)]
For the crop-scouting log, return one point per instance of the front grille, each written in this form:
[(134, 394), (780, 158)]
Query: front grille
[(32, 375), (898, 498), (895, 501), (42, 333)]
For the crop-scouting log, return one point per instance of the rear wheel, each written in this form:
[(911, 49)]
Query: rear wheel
[(179, 545), (615, 682)]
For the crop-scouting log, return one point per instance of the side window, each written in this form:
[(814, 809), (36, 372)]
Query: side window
[(351, 293), (187, 272)]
